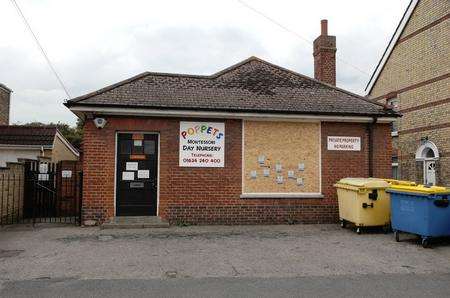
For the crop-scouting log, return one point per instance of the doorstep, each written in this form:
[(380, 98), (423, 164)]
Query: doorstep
[(135, 222)]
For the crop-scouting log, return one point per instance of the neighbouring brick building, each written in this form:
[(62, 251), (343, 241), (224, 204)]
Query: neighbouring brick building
[(254, 143), (5, 94), (413, 76)]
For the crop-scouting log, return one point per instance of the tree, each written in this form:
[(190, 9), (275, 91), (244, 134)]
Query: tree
[(73, 134)]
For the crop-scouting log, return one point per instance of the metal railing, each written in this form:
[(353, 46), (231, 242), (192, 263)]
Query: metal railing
[(41, 192)]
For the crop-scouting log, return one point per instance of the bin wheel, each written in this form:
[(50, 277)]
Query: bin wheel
[(343, 223), (397, 236), (426, 243), (358, 231)]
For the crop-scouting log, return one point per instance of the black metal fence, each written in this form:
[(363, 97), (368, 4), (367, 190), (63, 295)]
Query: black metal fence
[(41, 192)]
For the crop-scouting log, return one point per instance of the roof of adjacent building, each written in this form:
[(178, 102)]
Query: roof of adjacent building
[(252, 85), (2, 86), (27, 135), (390, 47)]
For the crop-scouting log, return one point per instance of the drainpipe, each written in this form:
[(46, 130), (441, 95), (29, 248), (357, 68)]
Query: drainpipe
[(370, 127)]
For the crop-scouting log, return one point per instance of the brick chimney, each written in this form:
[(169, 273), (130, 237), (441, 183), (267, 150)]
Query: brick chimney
[(325, 56), (5, 94)]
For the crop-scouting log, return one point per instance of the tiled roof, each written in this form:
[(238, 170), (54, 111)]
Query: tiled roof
[(5, 88), (27, 135), (252, 85)]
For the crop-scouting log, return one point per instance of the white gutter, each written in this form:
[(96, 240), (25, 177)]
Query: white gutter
[(226, 115), (24, 147)]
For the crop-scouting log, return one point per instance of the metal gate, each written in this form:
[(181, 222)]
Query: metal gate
[(43, 192)]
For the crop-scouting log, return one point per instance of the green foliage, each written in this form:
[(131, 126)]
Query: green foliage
[(74, 134), (181, 223)]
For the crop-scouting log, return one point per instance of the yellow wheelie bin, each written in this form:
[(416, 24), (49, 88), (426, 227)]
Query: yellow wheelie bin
[(400, 182), (364, 203)]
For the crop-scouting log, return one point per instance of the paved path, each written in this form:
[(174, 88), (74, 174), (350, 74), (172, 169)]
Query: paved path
[(397, 285), (237, 256)]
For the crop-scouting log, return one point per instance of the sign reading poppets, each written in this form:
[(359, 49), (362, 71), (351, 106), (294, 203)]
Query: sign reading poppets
[(202, 144)]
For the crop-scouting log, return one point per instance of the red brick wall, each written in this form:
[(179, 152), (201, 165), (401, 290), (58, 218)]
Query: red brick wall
[(382, 151), (209, 195), (340, 164), (325, 59)]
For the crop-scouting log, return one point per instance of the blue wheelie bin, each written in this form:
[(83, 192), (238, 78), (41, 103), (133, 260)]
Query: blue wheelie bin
[(420, 210)]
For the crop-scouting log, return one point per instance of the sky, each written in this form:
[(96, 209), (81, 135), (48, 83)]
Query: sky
[(96, 43)]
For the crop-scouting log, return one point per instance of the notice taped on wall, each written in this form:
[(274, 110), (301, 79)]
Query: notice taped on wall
[(202, 144)]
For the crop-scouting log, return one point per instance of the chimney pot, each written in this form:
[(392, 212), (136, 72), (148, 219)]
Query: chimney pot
[(324, 27), (325, 55)]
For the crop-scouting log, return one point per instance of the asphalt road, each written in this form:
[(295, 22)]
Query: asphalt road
[(380, 285)]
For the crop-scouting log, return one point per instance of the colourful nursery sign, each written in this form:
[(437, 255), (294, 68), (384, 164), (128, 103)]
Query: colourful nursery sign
[(202, 144)]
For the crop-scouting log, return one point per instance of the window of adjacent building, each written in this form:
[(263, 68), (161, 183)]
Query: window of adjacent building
[(394, 104), (395, 170), (394, 129)]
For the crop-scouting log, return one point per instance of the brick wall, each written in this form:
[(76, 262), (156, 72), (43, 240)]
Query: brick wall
[(324, 52), (4, 105), (422, 56), (340, 164), (211, 195)]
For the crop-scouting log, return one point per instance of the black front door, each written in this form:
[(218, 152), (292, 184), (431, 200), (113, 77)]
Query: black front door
[(137, 169)]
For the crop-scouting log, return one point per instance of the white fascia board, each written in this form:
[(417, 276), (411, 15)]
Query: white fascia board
[(398, 32), (24, 147), (65, 142), (226, 115)]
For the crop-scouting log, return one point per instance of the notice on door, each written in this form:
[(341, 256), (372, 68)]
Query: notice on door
[(344, 143), (202, 144), (127, 176)]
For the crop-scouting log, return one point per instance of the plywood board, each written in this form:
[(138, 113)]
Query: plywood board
[(286, 144)]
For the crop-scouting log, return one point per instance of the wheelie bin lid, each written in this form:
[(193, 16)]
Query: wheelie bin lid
[(400, 182), (367, 183), (419, 189)]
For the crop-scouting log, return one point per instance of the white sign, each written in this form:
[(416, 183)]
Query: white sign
[(143, 174), (43, 168), (43, 177), (66, 174), (344, 143), (131, 166), (128, 176), (202, 144)]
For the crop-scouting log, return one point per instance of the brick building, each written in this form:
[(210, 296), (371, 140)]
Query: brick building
[(254, 143), (5, 94), (413, 76), (45, 143)]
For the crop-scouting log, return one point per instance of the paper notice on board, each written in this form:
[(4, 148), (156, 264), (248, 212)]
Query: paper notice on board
[(132, 166), (43, 177), (143, 174), (66, 174), (43, 168), (128, 176)]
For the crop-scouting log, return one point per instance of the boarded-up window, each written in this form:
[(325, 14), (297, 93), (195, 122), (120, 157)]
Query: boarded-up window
[(285, 156)]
